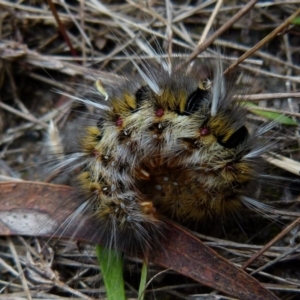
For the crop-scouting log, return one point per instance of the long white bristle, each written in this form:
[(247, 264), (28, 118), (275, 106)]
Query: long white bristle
[(218, 89), (85, 101)]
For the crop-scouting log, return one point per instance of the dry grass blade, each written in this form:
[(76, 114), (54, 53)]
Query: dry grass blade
[(267, 96), (61, 27), (284, 163), (265, 40), (221, 30), (272, 242)]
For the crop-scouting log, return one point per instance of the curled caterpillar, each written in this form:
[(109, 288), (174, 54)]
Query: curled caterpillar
[(164, 143)]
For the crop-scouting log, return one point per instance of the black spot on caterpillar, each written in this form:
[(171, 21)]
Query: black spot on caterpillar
[(194, 100), (237, 138)]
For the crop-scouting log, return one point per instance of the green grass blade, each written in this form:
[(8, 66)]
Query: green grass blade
[(111, 265), (274, 116), (143, 281), (296, 21)]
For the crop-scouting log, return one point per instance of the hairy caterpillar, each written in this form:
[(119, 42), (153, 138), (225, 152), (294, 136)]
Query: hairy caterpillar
[(164, 143)]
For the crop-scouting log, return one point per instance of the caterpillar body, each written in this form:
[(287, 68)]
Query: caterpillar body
[(163, 143)]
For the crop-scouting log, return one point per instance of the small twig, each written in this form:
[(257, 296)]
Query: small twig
[(221, 30), (14, 88), (169, 32), (270, 74), (280, 257), (61, 27), (51, 82), (263, 41), (271, 243), (262, 54), (19, 267), (283, 162), (270, 96), (210, 21), (23, 115)]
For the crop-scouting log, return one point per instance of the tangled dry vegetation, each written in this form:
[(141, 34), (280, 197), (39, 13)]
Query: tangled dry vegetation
[(41, 52)]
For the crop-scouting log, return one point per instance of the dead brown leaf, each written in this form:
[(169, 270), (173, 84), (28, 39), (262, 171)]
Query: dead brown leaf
[(30, 208)]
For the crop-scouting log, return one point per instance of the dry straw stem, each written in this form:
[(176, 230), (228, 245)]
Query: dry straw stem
[(265, 40), (284, 163), (210, 21), (61, 27), (221, 30), (35, 59), (266, 96), (271, 243), (19, 268)]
